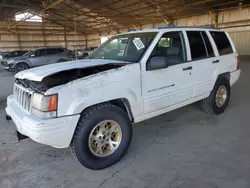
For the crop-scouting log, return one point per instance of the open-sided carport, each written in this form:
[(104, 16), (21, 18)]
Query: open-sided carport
[(79, 24), (185, 148)]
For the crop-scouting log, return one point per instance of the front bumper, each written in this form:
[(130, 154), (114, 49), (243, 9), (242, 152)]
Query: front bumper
[(234, 76), (55, 132), (5, 66)]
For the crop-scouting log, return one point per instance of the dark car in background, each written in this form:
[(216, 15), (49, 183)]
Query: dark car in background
[(37, 57)]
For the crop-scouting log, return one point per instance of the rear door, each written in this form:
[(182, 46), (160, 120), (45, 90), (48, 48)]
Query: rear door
[(204, 61), (51, 55), (227, 56)]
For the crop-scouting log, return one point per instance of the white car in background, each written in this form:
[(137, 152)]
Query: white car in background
[(83, 53), (90, 105)]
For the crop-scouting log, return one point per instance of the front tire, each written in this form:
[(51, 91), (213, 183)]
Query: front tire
[(218, 99), (20, 67), (102, 136)]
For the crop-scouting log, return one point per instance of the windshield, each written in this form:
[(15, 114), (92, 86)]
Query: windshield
[(127, 47), (28, 53)]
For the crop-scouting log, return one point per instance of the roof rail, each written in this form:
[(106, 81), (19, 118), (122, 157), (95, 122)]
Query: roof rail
[(199, 26)]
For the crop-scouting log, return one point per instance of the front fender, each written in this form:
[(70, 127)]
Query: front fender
[(87, 99), (123, 82), (21, 61)]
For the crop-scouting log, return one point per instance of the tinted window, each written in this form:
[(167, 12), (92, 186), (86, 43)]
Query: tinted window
[(223, 45), (51, 51), (39, 53), (171, 45), (210, 51), (60, 50), (197, 47)]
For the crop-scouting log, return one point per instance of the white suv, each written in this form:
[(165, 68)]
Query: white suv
[(90, 105)]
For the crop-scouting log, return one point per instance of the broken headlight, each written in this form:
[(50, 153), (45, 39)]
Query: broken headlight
[(44, 106)]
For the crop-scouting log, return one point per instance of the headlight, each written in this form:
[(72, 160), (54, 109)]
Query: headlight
[(10, 61), (44, 106)]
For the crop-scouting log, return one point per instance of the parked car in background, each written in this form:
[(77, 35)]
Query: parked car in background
[(15, 53), (83, 53), (37, 57)]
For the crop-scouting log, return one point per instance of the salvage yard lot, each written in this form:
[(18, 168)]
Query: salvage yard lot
[(185, 148)]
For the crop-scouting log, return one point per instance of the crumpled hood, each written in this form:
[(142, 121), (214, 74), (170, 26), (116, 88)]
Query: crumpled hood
[(37, 74)]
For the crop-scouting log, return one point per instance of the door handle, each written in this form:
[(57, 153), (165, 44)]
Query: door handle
[(187, 68), (216, 61)]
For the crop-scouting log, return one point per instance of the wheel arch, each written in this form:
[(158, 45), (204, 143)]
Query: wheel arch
[(24, 62), (122, 103), (61, 60), (224, 75)]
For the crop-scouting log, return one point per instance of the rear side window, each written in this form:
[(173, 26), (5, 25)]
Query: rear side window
[(51, 51), (39, 53), (197, 47), (221, 40), (209, 48), (60, 50)]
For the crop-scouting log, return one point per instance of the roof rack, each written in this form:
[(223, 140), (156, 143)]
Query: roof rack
[(174, 26)]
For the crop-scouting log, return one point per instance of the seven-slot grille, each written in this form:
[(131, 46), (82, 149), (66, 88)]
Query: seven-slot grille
[(22, 97)]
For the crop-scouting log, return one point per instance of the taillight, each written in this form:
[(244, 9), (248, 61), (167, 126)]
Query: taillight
[(238, 62)]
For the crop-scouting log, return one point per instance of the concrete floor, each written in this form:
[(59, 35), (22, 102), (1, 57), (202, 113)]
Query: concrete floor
[(185, 148)]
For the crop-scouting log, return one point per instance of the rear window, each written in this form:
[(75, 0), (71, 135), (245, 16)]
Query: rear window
[(210, 52), (60, 50), (51, 51), (221, 40), (198, 49)]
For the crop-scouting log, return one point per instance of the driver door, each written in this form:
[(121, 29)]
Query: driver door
[(37, 58), (169, 86)]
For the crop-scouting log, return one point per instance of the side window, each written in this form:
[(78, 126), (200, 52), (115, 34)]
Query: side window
[(39, 53), (223, 45), (51, 51), (60, 50), (209, 48), (172, 46), (197, 47)]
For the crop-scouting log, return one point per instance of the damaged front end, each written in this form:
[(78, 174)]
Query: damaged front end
[(63, 77)]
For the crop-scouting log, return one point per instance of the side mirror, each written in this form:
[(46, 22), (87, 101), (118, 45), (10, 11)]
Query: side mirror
[(157, 62), (32, 55)]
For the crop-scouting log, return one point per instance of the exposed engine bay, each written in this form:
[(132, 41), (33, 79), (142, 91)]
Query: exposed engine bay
[(64, 77)]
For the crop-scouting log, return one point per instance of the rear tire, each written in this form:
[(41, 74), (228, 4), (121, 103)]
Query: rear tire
[(61, 60), (20, 67), (218, 99), (86, 151)]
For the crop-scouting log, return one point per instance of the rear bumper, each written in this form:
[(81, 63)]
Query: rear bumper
[(55, 132), (234, 76)]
